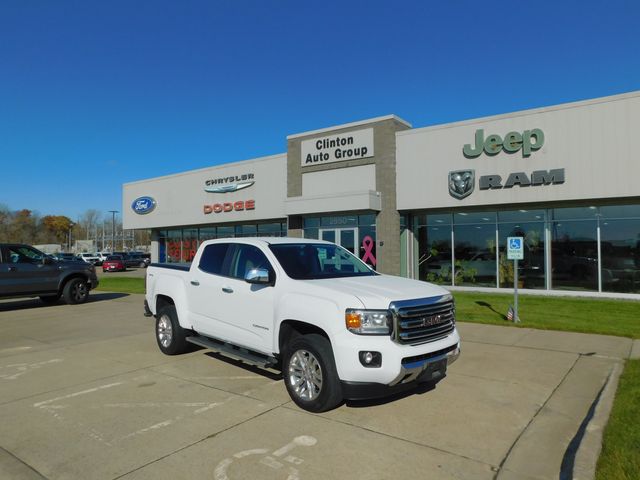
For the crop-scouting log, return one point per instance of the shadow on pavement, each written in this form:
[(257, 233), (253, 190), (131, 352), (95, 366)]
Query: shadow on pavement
[(420, 389), (26, 303)]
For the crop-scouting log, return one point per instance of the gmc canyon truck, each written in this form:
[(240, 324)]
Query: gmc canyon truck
[(27, 272), (334, 327)]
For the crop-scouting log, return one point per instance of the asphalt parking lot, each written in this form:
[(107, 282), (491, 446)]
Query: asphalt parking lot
[(85, 393)]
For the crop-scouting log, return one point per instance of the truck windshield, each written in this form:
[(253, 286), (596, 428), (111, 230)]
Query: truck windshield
[(308, 261)]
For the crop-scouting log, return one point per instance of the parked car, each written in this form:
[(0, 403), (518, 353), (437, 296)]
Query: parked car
[(141, 260), (88, 257), (27, 272), (67, 257), (114, 263), (337, 328), (102, 256)]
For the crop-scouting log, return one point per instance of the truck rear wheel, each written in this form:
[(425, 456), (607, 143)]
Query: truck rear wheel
[(310, 374), (169, 334), (76, 291)]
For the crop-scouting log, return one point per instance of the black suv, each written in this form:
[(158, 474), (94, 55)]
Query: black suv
[(27, 272)]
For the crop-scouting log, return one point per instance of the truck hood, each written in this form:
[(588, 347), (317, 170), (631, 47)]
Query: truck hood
[(377, 292)]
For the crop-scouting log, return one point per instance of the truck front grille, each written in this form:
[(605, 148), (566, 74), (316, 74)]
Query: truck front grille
[(423, 320)]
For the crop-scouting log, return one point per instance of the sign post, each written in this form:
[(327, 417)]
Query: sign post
[(515, 252)]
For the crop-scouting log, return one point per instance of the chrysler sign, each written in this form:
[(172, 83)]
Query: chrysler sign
[(229, 184)]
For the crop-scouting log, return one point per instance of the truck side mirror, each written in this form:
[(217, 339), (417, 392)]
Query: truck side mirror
[(258, 276)]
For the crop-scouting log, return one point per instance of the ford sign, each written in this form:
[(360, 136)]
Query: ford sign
[(143, 205)]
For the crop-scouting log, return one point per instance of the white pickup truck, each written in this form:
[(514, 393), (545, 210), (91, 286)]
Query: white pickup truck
[(334, 327)]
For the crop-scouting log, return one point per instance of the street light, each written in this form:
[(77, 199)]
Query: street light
[(71, 225), (113, 230)]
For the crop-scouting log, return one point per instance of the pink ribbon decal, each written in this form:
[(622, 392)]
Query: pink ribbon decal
[(367, 244)]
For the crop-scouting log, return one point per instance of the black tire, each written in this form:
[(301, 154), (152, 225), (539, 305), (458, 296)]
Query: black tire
[(308, 361), (142, 265), (170, 336), (50, 299), (76, 291)]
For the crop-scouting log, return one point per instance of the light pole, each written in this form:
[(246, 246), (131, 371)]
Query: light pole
[(113, 230), (71, 225)]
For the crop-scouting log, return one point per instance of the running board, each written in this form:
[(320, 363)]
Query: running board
[(234, 352)]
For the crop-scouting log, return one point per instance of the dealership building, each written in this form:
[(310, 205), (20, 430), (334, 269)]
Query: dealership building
[(435, 203)]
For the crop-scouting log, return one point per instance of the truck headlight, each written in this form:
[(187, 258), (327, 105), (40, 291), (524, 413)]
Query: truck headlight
[(368, 322)]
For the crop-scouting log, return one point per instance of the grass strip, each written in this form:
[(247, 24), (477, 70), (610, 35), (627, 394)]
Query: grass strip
[(121, 284), (620, 456), (570, 314)]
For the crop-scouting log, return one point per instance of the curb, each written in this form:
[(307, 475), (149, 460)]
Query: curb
[(635, 350), (589, 450)]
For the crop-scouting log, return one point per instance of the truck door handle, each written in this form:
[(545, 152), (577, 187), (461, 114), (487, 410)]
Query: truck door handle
[(12, 269), (227, 290), (195, 283)]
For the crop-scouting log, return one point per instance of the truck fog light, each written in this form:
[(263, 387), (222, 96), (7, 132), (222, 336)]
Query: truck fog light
[(370, 359)]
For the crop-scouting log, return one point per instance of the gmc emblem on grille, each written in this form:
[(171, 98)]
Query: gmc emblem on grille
[(433, 320)]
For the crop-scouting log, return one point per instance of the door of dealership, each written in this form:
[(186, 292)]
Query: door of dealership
[(345, 237)]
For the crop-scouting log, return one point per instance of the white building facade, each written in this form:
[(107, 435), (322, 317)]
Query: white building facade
[(434, 203)]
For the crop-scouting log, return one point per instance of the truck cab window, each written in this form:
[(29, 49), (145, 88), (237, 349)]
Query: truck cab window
[(246, 258), (212, 259), (24, 255)]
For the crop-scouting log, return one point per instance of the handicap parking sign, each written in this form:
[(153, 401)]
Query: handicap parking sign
[(515, 248)]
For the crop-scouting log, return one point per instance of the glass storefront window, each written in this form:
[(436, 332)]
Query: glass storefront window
[(434, 254), (483, 218), (577, 213), (475, 254), (272, 229), (574, 254), (523, 215), (189, 244), (181, 245), (339, 221), (208, 233), (620, 211), (312, 222), (226, 232), (246, 230), (620, 255), (174, 246)]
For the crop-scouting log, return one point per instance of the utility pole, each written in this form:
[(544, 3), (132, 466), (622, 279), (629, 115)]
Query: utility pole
[(113, 230)]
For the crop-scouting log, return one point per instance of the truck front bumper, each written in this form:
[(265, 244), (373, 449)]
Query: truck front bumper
[(400, 363), (425, 369)]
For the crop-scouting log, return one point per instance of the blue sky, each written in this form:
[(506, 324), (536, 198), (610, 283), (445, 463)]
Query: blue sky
[(97, 94)]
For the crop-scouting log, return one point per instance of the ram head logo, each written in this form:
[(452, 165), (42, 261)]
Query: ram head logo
[(461, 183)]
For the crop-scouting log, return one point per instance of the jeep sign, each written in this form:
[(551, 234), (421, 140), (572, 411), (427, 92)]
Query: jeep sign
[(513, 141)]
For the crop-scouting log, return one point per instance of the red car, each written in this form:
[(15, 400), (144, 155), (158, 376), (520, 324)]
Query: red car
[(114, 263)]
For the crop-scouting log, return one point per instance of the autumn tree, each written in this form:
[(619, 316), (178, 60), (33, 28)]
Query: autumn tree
[(58, 226)]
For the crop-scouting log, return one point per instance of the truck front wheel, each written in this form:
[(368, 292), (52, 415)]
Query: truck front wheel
[(169, 334), (76, 291), (310, 373)]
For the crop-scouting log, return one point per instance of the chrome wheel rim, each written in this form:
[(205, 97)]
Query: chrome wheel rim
[(305, 375), (79, 292), (165, 331)]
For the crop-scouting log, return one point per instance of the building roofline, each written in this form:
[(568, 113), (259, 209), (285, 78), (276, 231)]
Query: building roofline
[(349, 125), (522, 113), (221, 165)]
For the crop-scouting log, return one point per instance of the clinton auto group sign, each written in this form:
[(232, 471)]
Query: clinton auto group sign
[(338, 147), (462, 182)]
